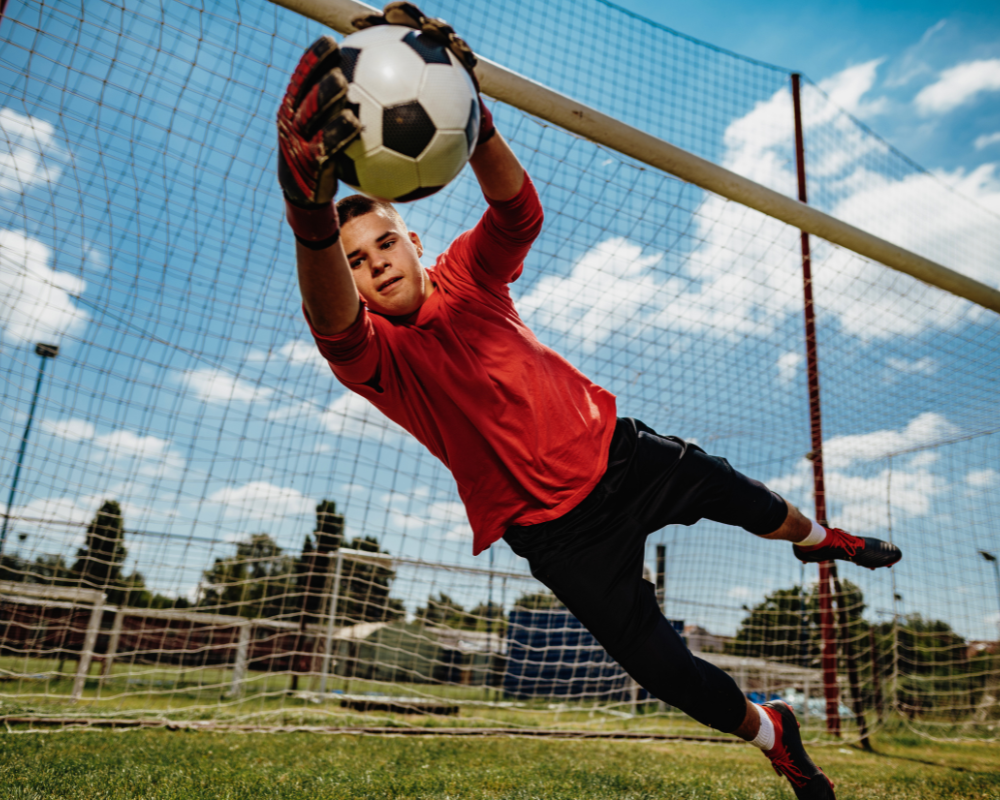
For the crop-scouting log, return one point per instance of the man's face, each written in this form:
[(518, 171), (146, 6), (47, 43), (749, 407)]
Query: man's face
[(384, 260)]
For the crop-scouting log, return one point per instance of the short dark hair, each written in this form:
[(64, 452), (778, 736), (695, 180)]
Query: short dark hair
[(357, 205)]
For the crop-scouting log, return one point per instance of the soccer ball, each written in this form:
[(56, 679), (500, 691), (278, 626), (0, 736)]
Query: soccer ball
[(418, 109)]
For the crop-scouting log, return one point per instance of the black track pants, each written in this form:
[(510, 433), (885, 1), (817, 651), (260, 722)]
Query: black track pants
[(592, 559)]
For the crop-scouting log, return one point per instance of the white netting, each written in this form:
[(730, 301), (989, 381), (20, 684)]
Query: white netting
[(190, 455)]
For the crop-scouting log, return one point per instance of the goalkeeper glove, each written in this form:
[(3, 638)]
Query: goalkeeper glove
[(314, 125)]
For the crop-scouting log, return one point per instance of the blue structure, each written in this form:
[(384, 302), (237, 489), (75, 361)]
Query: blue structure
[(551, 654)]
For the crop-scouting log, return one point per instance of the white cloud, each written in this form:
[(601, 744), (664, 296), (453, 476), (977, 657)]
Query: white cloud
[(294, 412), (35, 300), (95, 258), (27, 145), (959, 85), (860, 502), (923, 459), (302, 352), (920, 366), (744, 277), (451, 518), (73, 430), (352, 416), (349, 416), (59, 509), (927, 428), (986, 140), (983, 478), (57, 524), (911, 65), (411, 513), (848, 88), (154, 456), (748, 268), (917, 213), (788, 366), (260, 500), (217, 386), (611, 288)]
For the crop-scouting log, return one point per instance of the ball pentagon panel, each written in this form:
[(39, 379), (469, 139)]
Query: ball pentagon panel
[(407, 129), (377, 34), (443, 159), (387, 175), (369, 115), (390, 73), (430, 51), (472, 126), (445, 92), (348, 61)]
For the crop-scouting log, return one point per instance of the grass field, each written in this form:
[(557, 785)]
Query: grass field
[(168, 765)]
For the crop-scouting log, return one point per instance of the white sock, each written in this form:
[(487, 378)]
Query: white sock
[(816, 536), (765, 736)]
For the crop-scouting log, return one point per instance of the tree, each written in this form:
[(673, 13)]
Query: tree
[(489, 617), (933, 664), (313, 575), (48, 569), (254, 583), (538, 601), (99, 562), (313, 566), (445, 612), (785, 626), (364, 587)]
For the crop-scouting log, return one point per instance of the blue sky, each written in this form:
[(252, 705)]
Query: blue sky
[(913, 41), (141, 226)]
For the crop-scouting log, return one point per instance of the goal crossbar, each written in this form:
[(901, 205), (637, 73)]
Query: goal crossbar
[(542, 102)]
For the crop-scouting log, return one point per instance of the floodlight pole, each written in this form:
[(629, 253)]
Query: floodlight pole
[(46, 351)]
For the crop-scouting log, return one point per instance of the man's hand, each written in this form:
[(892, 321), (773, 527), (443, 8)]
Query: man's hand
[(314, 125), (402, 13)]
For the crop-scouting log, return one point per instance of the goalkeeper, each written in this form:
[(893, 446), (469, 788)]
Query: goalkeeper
[(539, 453)]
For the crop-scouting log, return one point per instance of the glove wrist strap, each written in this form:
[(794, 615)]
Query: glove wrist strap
[(316, 227), (486, 126)]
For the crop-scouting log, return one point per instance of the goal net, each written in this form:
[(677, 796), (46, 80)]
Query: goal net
[(205, 527)]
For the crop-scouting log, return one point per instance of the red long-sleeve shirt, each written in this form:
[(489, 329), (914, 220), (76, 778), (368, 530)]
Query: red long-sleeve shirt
[(525, 434)]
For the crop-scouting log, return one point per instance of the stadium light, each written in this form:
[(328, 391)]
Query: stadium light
[(46, 351)]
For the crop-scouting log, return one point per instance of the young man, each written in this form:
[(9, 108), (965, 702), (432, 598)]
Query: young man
[(539, 454)]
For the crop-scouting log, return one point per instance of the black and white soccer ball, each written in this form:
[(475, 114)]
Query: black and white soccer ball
[(418, 109)]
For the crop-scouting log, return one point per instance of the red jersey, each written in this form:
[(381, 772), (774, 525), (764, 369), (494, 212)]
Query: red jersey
[(525, 433)]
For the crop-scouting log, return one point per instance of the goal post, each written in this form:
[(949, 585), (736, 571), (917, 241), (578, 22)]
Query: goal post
[(69, 598)]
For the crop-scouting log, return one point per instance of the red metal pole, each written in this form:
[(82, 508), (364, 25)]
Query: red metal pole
[(829, 657)]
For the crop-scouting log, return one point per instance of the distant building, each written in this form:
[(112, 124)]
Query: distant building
[(699, 639), (977, 647)]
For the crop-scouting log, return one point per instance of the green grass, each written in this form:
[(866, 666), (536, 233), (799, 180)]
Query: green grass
[(165, 765), (154, 692)]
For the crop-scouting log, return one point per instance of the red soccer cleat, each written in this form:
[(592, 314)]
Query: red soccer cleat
[(789, 758), (863, 551)]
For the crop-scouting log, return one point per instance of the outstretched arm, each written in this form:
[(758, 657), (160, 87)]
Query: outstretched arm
[(500, 174), (313, 125), (328, 292)]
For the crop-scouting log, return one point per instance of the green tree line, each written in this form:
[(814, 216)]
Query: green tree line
[(933, 666)]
